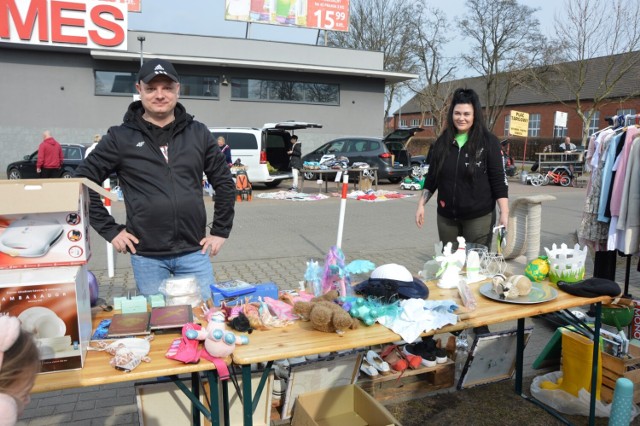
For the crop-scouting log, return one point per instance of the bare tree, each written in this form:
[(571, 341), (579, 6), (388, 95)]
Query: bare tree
[(381, 25), (506, 40), (594, 60), (431, 90)]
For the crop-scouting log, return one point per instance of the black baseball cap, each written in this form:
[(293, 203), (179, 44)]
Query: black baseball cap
[(155, 67)]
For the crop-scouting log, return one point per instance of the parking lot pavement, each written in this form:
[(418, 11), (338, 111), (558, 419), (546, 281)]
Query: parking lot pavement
[(272, 240)]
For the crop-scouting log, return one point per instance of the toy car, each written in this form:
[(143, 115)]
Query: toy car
[(412, 184)]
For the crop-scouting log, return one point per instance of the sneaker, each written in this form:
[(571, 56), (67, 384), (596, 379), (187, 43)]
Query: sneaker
[(368, 369), (441, 356), (430, 360)]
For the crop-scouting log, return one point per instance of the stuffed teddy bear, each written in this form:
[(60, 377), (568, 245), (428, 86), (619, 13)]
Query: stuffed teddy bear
[(325, 315)]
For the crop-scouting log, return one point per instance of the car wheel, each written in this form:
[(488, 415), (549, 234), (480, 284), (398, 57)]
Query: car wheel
[(309, 176), (14, 174), (66, 175), (395, 179), (272, 184)]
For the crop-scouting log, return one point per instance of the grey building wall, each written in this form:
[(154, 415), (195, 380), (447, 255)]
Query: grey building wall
[(54, 89)]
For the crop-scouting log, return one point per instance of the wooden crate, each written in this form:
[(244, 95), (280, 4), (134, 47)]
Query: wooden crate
[(613, 368), (410, 385)]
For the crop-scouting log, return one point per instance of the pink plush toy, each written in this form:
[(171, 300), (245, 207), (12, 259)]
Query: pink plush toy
[(218, 341)]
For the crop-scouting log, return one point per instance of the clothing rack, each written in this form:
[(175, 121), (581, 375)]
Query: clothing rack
[(620, 122)]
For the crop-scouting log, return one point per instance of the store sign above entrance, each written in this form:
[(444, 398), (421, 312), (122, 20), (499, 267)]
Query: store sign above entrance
[(89, 24), (321, 14), (519, 124)]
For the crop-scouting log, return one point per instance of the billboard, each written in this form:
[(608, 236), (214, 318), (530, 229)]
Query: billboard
[(320, 14)]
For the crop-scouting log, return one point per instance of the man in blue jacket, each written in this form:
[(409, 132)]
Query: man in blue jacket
[(159, 153)]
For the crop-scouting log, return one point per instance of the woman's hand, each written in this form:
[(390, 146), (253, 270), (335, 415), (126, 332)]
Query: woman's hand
[(420, 215)]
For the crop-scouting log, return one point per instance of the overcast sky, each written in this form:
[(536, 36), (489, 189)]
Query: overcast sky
[(206, 17)]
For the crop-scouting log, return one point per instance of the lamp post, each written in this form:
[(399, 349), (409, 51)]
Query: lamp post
[(141, 39), (399, 110)]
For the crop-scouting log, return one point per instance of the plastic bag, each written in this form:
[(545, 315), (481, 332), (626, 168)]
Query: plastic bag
[(566, 403), (181, 291)]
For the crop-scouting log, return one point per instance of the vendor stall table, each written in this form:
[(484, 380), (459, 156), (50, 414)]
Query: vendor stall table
[(97, 371), (359, 171), (300, 339)]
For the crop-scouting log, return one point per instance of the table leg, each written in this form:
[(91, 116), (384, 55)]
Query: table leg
[(212, 375), (195, 388), (594, 364), (247, 405), (519, 355), (375, 176), (225, 402), (193, 394)]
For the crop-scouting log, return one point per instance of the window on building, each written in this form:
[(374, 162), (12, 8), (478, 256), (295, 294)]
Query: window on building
[(507, 123), (428, 122), (285, 91), (415, 123), (625, 112), (124, 83), (594, 123), (559, 132), (534, 125), (403, 123)]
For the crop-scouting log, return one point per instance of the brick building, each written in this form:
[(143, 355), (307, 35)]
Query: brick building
[(542, 107)]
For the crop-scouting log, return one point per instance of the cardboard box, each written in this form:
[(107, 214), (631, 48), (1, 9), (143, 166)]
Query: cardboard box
[(344, 405), (53, 304), (45, 222)]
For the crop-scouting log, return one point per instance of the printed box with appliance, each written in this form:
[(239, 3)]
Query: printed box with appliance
[(343, 405), (54, 305), (45, 222)]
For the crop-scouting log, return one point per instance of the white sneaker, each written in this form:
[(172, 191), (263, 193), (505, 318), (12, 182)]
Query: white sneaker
[(378, 363), (368, 369)]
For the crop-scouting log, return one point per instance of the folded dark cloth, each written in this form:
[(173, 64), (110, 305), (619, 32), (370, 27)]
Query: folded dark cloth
[(591, 287)]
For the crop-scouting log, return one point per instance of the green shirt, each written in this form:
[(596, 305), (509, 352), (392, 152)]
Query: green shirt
[(462, 138)]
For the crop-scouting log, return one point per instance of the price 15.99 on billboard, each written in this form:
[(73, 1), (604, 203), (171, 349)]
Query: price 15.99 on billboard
[(328, 14), (321, 14)]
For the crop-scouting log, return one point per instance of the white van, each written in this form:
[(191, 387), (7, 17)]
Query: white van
[(257, 147)]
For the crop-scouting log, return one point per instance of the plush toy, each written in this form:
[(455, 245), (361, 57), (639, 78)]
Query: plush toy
[(325, 315), (511, 288), (218, 341)]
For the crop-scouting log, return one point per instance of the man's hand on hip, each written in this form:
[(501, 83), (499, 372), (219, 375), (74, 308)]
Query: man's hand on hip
[(125, 240), (212, 243)]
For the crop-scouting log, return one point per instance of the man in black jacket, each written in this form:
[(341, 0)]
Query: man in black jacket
[(159, 153)]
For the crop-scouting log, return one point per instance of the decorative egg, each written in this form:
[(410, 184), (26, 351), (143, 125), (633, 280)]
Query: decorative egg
[(538, 269)]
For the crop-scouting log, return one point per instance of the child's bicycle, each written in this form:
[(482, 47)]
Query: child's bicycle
[(559, 175)]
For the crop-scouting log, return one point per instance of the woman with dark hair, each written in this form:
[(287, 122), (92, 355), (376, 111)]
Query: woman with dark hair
[(467, 170)]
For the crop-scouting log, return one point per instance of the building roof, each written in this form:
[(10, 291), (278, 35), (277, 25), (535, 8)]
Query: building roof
[(596, 74), (246, 53)]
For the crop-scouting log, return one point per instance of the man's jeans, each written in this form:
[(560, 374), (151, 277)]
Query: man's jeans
[(150, 271)]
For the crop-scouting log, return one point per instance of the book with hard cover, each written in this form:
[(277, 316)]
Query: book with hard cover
[(167, 317), (133, 324)]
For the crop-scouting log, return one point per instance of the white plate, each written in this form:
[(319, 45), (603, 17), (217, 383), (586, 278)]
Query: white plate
[(48, 326), (29, 316)]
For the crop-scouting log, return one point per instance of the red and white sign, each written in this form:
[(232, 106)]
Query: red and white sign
[(90, 24)]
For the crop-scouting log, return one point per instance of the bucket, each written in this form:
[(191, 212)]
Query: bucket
[(566, 264), (617, 316)]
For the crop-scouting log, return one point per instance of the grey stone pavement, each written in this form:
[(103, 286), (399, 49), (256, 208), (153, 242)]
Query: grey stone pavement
[(273, 239)]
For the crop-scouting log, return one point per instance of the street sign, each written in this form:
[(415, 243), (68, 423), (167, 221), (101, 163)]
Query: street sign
[(560, 119), (519, 124)]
